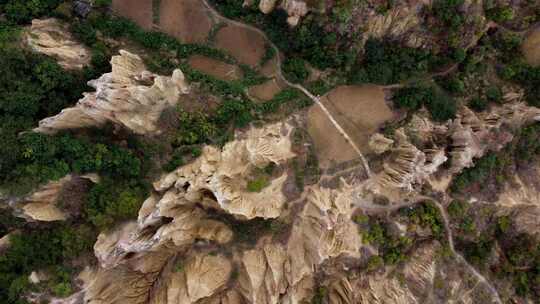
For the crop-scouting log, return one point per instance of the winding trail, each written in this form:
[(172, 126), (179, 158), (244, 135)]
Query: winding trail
[(459, 257), (375, 208), (315, 99)]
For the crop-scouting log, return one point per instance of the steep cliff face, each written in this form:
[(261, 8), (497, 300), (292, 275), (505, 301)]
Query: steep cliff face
[(52, 38), (129, 96)]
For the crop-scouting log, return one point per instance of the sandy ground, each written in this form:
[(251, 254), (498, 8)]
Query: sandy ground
[(139, 11), (360, 110), (186, 20), (216, 68), (531, 47), (246, 45)]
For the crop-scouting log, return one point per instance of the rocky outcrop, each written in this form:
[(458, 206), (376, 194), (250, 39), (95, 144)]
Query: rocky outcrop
[(380, 144), (473, 135), (42, 204), (171, 254), (225, 174), (418, 148), (52, 38), (296, 9), (402, 21), (406, 167), (129, 96)]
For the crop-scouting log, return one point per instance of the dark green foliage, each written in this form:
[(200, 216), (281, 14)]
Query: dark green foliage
[(447, 11), (41, 158), (493, 93), (293, 98), (112, 200), (295, 70), (427, 215), (194, 128), (478, 104), (500, 14), (478, 252), (386, 63), (23, 11), (441, 106), (483, 168), (31, 250), (457, 209), (393, 248)]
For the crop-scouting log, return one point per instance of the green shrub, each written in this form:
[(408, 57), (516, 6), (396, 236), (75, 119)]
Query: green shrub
[(457, 209), (23, 11), (111, 200), (441, 106), (386, 63), (427, 215), (478, 104), (493, 93), (375, 262), (257, 184), (295, 70), (447, 11)]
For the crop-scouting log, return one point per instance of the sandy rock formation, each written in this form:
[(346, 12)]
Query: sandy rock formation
[(129, 96), (296, 9), (52, 38), (400, 21), (41, 205), (406, 167), (473, 135), (380, 144), (225, 173), (164, 257), (415, 155)]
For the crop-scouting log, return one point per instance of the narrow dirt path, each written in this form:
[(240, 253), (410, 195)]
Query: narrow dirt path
[(459, 257), (365, 164), (316, 99)]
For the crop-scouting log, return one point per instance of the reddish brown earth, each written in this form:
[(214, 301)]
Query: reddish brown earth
[(360, 110), (246, 45), (140, 11), (216, 68), (186, 20)]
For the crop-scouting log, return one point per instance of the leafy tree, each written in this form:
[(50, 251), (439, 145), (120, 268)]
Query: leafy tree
[(295, 70)]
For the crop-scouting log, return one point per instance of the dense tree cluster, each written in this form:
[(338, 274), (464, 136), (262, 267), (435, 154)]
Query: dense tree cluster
[(441, 106), (386, 63)]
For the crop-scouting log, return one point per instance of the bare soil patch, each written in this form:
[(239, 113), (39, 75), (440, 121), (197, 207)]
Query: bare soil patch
[(140, 11), (216, 68), (246, 45), (531, 47), (187, 20), (267, 90), (360, 110)]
